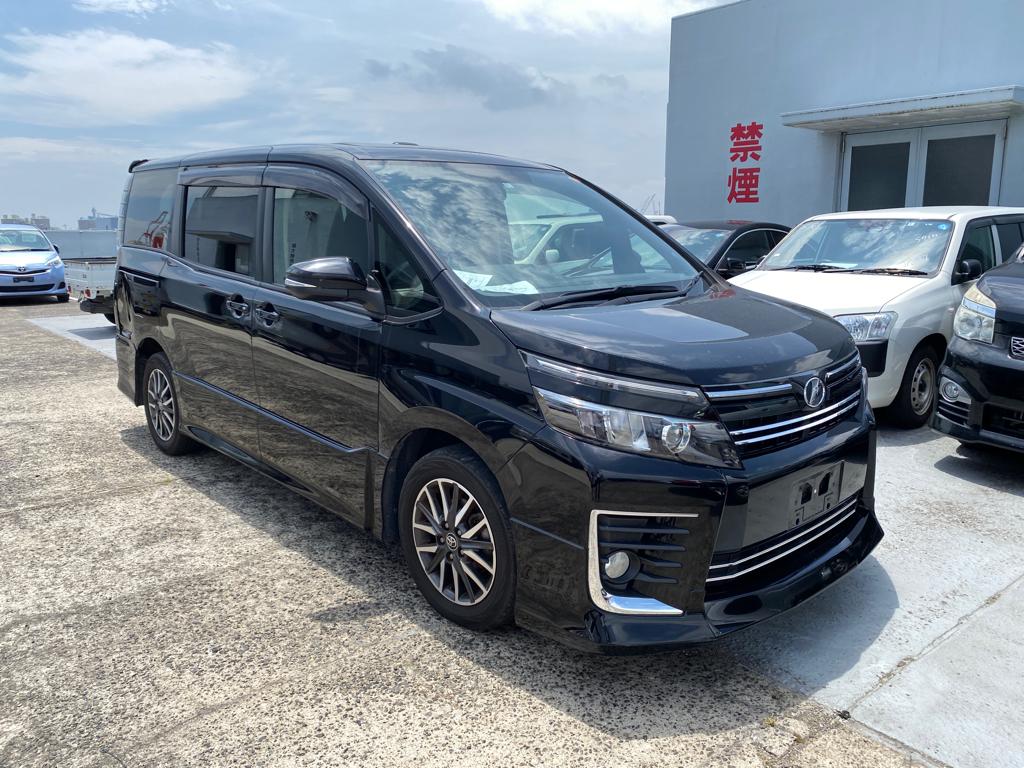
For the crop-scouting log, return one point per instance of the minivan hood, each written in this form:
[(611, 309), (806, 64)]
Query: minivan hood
[(24, 258), (726, 336), (834, 293), (1005, 286)]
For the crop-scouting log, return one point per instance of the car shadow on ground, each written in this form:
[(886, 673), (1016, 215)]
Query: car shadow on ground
[(990, 467), (706, 689)]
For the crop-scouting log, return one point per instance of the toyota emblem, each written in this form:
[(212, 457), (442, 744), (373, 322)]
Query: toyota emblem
[(814, 392), (21, 269)]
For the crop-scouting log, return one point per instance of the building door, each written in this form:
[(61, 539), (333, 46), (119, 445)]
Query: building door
[(939, 165)]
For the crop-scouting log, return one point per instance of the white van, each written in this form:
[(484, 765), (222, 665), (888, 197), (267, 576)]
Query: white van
[(894, 278)]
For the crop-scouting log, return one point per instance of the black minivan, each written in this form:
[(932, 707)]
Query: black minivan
[(981, 382), (579, 429)]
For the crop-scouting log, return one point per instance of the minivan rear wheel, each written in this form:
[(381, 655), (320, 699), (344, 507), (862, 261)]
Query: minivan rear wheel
[(457, 540), (163, 414), (916, 399)]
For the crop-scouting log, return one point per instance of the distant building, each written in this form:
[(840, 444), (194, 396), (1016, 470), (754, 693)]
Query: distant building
[(100, 221), (42, 222)]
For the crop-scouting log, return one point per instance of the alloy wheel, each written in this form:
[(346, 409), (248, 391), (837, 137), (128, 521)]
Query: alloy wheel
[(160, 404), (453, 541), (922, 387)]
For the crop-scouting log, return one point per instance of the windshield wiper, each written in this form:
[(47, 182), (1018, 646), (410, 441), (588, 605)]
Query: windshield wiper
[(813, 268), (890, 271), (608, 294)]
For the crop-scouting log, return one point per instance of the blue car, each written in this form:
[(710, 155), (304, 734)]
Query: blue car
[(30, 264)]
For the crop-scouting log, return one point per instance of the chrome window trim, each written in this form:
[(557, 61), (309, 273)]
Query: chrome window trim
[(635, 606), (815, 414), (790, 551)]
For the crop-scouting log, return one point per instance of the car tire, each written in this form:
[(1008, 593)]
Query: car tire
[(473, 542), (63, 298), (163, 413), (920, 386), (110, 317)]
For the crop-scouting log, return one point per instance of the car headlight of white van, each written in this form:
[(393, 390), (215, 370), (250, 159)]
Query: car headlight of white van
[(975, 318), (872, 327)]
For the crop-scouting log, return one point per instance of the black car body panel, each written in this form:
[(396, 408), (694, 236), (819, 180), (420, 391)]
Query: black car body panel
[(336, 400), (990, 408)]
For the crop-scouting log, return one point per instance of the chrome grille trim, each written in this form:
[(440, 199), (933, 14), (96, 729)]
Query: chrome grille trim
[(833, 373), (1017, 347), (808, 417), (753, 392), (802, 427), (844, 514)]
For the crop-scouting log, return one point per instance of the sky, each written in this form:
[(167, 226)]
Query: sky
[(87, 86)]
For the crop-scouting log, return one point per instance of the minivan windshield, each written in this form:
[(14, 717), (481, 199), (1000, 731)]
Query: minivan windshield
[(23, 240), (907, 246), (517, 236)]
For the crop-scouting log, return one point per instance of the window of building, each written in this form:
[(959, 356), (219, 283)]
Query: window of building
[(311, 226), (147, 220), (408, 291), (220, 227)]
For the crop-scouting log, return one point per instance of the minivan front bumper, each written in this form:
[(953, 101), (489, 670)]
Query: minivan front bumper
[(742, 557)]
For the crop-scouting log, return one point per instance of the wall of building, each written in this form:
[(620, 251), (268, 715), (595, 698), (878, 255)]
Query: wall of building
[(757, 59)]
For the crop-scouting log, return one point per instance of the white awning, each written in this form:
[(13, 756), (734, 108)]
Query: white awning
[(960, 107)]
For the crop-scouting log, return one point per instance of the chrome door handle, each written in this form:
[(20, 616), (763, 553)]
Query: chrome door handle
[(267, 316), (238, 309)]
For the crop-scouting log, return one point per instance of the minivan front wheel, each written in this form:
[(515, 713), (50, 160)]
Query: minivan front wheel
[(457, 540), (163, 414), (916, 398)]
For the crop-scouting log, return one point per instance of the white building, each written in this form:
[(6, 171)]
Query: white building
[(877, 103)]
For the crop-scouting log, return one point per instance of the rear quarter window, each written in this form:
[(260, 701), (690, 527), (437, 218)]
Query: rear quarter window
[(148, 213)]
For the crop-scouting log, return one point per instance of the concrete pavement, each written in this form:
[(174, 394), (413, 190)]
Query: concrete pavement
[(159, 611)]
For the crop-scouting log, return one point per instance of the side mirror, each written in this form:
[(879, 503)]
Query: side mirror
[(970, 269), (327, 279), (732, 267), (56, 248)]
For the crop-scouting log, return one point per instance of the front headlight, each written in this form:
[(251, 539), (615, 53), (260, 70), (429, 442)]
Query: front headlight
[(872, 327), (695, 440), (975, 318), (54, 262)]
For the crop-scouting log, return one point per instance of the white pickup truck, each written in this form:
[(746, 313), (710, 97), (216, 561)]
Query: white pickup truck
[(91, 282)]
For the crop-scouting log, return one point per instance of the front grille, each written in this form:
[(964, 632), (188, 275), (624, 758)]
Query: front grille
[(958, 413), (1017, 347), (25, 288), (766, 416), (22, 272), (740, 571), (1007, 421)]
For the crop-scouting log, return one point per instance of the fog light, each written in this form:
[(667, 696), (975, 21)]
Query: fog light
[(951, 390), (617, 564)]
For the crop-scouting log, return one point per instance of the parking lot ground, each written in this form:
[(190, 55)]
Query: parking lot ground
[(158, 611)]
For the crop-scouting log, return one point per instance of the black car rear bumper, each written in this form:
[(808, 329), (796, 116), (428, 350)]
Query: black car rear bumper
[(740, 557), (990, 410)]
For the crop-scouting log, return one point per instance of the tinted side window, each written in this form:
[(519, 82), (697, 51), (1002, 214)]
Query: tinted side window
[(407, 291), (220, 227), (751, 247), (1009, 239), (311, 226), (978, 245), (776, 236), (147, 218)]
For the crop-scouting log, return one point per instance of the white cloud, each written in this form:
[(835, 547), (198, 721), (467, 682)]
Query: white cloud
[(131, 7), (102, 77), (572, 17)]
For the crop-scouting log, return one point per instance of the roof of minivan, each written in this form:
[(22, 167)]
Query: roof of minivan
[(337, 152), (952, 212)]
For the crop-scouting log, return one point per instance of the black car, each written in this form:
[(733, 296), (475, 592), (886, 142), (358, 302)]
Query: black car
[(981, 382), (619, 450), (730, 247)]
